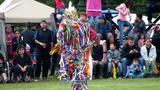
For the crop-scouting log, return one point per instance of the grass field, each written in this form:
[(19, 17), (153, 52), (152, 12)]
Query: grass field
[(99, 84)]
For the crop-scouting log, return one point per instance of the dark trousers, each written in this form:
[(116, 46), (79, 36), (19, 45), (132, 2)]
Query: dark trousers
[(100, 69), (18, 72), (55, 63), (152, 8), (43, 59)]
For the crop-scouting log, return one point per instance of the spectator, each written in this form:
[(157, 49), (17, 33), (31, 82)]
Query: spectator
[(93, 8), (135, 70), (16, 41), (22, 64), (104, 27), (156, 42), (9, 37), (139, 25), (59, 6), (2, 69), (28, 36), (148, 52), (97, 55), (152, 6), (123, 10), (43, 39), (129, 52), (82, 17), (112, 40), (114, 60), (141, 41)]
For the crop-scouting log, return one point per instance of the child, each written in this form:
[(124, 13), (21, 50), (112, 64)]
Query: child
[(22, 64), (123, 10), (114, 61), (135, 70)]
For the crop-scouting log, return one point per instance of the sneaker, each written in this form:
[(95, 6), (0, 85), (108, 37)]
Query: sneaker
[(36, 80)]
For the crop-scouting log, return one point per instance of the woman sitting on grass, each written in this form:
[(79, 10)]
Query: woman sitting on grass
[(22, 65)]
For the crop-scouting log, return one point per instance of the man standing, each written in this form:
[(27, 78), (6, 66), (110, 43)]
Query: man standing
[(44, 42), (152, 7), (28, 36)]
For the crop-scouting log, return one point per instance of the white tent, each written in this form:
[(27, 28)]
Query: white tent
[(22, 11)]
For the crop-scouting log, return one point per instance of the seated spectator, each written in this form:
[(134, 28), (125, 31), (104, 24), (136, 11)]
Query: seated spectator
[(114, 64), (135, 70), (97, 55), (22, 65), (2, 69), (104, 27), (112, 40), (148, 52), (129, 52), (17, 41), (139, 27), (141, 41), (139, 24)]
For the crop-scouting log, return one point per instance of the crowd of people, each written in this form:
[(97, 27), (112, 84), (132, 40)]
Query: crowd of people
[(131, 53)]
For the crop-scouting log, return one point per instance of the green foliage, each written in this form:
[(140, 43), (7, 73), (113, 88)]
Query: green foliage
[(47, 2), (1, 1), (82, 2)]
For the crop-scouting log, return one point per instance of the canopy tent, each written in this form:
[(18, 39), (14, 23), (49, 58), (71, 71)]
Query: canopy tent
[(22, 11)]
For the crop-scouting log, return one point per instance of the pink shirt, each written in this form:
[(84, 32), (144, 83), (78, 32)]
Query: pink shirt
[(9, 37), (94, 5), (123, 12)]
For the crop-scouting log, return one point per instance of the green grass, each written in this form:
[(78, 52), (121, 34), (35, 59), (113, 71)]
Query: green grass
[(99, 84)]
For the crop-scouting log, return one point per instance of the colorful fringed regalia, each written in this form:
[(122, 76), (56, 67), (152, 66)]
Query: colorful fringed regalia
[(74, 39)]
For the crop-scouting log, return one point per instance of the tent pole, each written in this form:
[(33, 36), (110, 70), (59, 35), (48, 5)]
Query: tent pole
[(2, 39)]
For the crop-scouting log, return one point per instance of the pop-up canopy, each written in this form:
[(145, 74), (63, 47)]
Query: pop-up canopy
[(22, 11)]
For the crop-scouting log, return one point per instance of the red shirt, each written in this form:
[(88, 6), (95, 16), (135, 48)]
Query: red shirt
[(59, 4)]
